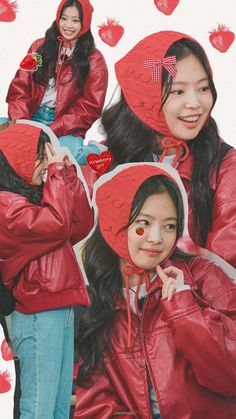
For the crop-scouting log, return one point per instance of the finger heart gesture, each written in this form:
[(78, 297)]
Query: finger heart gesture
[(172, 279)]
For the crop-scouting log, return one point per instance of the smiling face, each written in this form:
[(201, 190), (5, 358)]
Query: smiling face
[(158, 218), (190, 100), (70, 24)]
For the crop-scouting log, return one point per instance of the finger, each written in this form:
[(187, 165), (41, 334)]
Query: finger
[(48, 151), (175, 273), (161, 274), (50, 147), (171, 292)]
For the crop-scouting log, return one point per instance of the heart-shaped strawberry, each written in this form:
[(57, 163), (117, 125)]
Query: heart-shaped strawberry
[(31, 62), (110, 32), (5, 384), (221, 38), (166, 6), (6, 351), (100, 162), (8, 10)]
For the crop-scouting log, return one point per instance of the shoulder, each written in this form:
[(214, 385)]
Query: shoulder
[(96, 58), (226, 185), (10, 200), (36, 44), (202, 268)]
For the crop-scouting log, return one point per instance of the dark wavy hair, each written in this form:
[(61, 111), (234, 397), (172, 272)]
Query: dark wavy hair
[(10, 181), (49, 52), (131, 140), (102, 268)]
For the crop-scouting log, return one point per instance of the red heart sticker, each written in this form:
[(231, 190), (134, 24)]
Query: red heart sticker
[(100, 162)]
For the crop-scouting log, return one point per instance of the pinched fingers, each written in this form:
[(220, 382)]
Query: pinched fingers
[(172, 278)]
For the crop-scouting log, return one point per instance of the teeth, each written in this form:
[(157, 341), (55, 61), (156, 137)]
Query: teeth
[(190, 119)]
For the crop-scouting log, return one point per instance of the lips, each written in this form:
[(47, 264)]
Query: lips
[(152, 252)]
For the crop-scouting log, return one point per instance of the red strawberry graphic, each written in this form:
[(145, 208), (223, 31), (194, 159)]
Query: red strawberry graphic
[(8, 10), (6, 351), (221, 38), (31, 62), (5, 384), (110, 32), (166, 6)]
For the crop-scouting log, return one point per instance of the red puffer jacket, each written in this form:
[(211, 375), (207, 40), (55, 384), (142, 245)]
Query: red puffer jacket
[(74, 113), (40, 238), (186, 347), (221, 238)]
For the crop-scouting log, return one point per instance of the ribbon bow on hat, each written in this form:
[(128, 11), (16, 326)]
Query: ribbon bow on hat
[(156, 66)]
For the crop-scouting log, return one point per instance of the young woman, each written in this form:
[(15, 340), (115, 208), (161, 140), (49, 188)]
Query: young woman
[(67, 91), (164, 114), (39, 223), (159, 337)]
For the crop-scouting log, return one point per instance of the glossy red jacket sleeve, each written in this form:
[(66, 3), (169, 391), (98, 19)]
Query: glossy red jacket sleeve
[(221, 238), (206, 335), (40, 229), (82, 214), (22, 92), (100, 401), (84, 111)]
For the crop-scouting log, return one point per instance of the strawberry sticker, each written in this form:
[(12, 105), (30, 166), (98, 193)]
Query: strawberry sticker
[(6, 351), (8, 10), (31, 62), (110, 32), (166, 6), (221, 38), (5, 384), (100, 162)]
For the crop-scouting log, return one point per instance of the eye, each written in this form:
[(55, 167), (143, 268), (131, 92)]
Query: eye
[(176, 92), (204, 89), (170, 227), (142, 222)]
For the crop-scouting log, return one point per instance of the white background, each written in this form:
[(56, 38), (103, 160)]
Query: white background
[(139, 18)]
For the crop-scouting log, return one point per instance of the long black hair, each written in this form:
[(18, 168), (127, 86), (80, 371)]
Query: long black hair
[(130, 139), (49, 52), (10, 181), (102, 267)]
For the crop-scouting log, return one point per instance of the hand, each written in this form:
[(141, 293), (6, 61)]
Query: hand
[(172, 279), (54, 157)]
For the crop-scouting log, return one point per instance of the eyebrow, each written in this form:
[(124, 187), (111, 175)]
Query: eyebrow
[(184, 83), (141, 214), (73, 17)]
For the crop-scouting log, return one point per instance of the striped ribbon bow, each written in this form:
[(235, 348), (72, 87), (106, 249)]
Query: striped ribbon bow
[(156, 66)]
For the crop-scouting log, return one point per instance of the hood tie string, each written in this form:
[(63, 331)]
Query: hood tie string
[(128, 270), (170, 142), (60, 60)]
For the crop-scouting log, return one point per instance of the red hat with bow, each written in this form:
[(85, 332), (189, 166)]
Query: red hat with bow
[(19, 144), (139, 74)]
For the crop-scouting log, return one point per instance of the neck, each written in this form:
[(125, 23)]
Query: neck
[(158, 149)]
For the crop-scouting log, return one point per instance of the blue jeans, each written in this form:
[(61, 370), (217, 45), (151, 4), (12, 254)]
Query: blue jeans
[(75, 144), (44, 344)]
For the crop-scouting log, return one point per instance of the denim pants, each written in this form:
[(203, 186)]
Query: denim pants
[(44, 344), (75, 144)]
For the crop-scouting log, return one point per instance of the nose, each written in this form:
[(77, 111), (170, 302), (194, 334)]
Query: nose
[(192, 100), (154, 235)]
